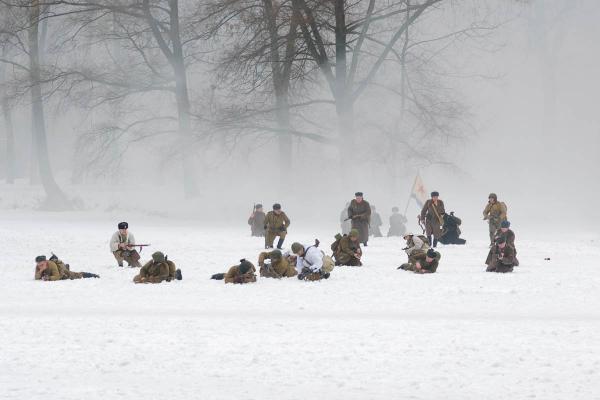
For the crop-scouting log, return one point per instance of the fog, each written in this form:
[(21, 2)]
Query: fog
[(515, 109)]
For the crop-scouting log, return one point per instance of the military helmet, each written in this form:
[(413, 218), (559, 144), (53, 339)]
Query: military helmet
[(505, 224), (354, 232), (408, 234), (297, 247), (245, 266), (276, 255), (158, 257), (493, 196)]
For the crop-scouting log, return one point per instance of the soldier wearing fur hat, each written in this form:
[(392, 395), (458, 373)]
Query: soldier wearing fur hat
[(433, 215), (423, 263), (359, 212), (346, 250), (503, 257), (278, 267), (54, 269), (158, 270), (242, 273), (122, 245), (495, 213), (257, 221), (507, 234), (276, 225)]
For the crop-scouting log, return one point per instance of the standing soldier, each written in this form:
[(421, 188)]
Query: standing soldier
[(495, 213), (257, 221), (376, 223), (276, 224), (360, 214), (433, 214), (122, 245), (397, 221), (345, 223)]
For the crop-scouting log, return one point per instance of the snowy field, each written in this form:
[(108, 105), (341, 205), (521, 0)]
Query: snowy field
[(366, 333)]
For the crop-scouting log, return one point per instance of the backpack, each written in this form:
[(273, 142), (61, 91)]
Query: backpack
[(336, 244)]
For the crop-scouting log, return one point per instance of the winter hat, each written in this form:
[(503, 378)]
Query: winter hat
[(258, 206), (435, 194), (40, 259), (407, 234), (358, 194), (276, 255), (245, 266), (431, 253), (297, 247), (493, 196), (123, 225), (158, 257), (276, 206), (501, 240), (505, 224), (354, 233)]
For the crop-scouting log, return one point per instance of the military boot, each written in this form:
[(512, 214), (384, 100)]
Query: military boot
[(435, 242), (178, 275), (280, 243)]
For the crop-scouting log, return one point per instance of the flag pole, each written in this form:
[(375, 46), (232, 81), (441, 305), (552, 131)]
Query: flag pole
[(410, 194)]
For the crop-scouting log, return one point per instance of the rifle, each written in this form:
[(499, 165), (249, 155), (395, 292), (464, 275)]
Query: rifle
[(141, 246), (421, 223)]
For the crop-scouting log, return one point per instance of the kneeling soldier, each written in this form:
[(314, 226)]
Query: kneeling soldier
[(416, 246), (311, 263), (279, 267), (122, 245), (503, 257), (242, 273), (424, 263), (346, 249), (157, 270), (55, 270)]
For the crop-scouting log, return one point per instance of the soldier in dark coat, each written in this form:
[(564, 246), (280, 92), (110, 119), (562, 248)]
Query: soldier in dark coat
[(360, 214), (433, 214), (397, 223), (257, 221), (503, 257), (426, 263), (451, 230), (376, 223), (504, 232)]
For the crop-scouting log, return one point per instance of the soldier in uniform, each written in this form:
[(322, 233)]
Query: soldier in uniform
[(376, 223), (345, 224), (359, 212), (495, 213), (433, 214), (244, 272), (397, 223), (451, 230), (55, 270), (416, 246), (158, 270), (279, 267), (346, 249), (276, 224), (122, 245), (506, 233), (424, 263), (503, 257), (311, 263), (257, 221)]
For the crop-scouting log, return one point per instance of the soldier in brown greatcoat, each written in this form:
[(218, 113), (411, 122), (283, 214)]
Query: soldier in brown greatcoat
[(257, 221), (494, 213), (433, 214), (503, 257), (359, 212)]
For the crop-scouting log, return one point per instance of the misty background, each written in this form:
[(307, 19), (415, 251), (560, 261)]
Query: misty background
[(475, 96)]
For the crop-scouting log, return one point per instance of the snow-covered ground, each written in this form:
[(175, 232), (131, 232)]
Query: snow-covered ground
[(366, 333)]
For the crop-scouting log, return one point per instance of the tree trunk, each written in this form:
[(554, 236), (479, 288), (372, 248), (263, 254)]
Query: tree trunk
[(56, 199), (10, 143), (190, 183)]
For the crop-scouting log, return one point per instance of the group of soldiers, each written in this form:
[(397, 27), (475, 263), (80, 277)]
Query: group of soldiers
[(309, 262)]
